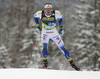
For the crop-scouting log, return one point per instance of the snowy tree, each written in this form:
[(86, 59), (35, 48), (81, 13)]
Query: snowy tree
[(87, 31), (4, 57), (15, 30), (19, 36)]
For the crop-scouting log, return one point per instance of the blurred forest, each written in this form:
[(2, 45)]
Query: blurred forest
[(20, 45)]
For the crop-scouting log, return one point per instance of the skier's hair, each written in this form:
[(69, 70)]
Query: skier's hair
[(47, 3)]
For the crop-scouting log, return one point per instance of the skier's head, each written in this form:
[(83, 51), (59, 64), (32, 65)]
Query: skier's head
[(48, 8)]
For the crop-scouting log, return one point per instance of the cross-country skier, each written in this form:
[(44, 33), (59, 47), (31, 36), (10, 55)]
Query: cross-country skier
[(48, 18)]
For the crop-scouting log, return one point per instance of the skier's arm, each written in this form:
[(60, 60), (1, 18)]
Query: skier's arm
[(60, 20), (58, 16), (37, 15), (37, 21)]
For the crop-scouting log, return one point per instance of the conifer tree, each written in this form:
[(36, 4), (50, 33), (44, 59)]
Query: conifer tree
[(87, 32)]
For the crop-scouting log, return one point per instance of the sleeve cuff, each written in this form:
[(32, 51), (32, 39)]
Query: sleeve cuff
[(60, 26), (37, 24)]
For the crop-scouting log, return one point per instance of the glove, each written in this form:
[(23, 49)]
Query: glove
[(61, 31), (38, 29)]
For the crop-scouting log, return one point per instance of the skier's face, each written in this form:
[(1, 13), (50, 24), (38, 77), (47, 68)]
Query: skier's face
[(48, 11)]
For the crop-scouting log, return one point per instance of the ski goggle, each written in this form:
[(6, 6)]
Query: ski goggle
[(48, 9)]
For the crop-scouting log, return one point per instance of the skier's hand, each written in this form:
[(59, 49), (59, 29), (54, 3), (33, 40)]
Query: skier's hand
[(61, 31), (38, 29)]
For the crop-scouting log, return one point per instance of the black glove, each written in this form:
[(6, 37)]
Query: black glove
[(61, 31)]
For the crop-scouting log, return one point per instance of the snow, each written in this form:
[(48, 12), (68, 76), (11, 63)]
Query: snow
[(47, 74)]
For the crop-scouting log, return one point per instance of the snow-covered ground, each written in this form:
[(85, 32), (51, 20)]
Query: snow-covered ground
[(47, 74)]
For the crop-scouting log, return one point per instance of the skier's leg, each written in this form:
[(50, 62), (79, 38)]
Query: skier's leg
[(45, 54), (57, 39), (59, 42), (44, 40), (44, 50)]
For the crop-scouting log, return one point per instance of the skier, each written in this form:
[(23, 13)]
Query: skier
[(48, 18)]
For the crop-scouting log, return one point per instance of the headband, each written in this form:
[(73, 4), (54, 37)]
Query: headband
[(48, 6)]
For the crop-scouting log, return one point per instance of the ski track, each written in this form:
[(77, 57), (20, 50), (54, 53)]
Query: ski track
[(31, 73)]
